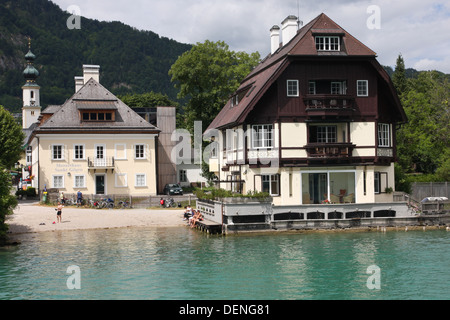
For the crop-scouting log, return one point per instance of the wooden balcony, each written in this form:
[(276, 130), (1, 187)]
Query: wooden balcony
[(329, 105), (330, 150)]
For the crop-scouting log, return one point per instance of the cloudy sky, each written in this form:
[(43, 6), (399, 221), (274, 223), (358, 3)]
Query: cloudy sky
[(418, 29)]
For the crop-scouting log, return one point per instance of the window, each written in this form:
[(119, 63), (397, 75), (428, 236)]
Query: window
[(338, 87), (326, 134), (292, 88), (234, 101), (328, 43), (271, 184), (363, 88), (79, 181), (97, 116), (312, 87), (182, 176), (334, 186), (377, 181), (78, 152), (262, 136), (384, 135), (141, 180), (58, 182), (29, 155), (99, 152), (139, 151), (57, 152)]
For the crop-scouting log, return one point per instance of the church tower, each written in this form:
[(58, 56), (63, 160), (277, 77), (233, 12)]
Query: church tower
[(31, 101)]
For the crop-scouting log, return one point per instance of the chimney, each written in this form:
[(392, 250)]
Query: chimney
[(274, 39), (79, 82), (289, 28), (91, 71)]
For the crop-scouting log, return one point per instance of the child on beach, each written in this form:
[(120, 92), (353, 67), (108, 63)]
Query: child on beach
[(59, 212)]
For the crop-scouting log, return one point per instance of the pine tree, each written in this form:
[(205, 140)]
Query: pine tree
[(399, 76)]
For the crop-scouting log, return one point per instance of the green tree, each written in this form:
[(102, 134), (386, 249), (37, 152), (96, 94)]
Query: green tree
[(147, 100), (424, 142), (207, 75), (399, 76), (7, 201), (11, 139)]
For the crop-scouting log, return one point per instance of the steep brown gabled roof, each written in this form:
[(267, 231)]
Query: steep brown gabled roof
[(303, 44)]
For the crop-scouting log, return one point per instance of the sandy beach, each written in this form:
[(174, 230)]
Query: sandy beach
[(32, 217)]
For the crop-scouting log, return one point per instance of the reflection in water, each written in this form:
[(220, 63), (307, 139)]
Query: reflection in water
[(182, 264)]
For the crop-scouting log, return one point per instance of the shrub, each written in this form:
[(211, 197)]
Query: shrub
[(31, 192), (217, 194)]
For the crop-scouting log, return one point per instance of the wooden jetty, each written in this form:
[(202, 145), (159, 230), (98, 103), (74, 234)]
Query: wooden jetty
[(209, 227)]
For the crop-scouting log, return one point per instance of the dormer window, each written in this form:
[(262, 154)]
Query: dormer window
[(234, 101), (97, 111), (328, 43), (98, 116)]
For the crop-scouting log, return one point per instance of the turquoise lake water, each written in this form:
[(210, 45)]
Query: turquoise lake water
[(183, 264)]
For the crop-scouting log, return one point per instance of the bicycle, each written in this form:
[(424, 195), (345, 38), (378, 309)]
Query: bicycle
[(124, 204), (107, 203), (170, 203)]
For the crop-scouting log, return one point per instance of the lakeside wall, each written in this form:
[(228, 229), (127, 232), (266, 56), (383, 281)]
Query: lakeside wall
[(244, 215)]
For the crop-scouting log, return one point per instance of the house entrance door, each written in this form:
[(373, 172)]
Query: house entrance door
[(100, 184)]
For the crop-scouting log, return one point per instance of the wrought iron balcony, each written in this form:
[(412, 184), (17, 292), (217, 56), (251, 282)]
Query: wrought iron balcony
[(329, 150)]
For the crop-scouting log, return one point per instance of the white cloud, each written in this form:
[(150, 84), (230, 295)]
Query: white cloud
[(429, 64), (417, 29)]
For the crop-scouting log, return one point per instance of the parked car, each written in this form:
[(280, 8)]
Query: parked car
[(173, 189)]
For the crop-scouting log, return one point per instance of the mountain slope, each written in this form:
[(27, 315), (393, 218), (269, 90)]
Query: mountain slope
[(132, 61)]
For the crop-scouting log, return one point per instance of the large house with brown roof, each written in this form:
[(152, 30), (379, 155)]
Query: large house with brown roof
[(315, 122)]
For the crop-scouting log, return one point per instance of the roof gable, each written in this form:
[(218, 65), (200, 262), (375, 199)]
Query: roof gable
[(93, 96), (302, 45)]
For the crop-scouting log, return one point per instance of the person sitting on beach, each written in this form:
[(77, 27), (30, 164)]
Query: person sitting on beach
[(197, 216), (187, 214)]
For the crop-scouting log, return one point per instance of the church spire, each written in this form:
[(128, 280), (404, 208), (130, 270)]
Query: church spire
[(31, 97), (30, 73)]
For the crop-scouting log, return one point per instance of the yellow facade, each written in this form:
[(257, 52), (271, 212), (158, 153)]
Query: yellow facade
[(76, 166)]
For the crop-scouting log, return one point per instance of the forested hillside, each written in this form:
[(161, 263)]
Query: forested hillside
[(132, 61)]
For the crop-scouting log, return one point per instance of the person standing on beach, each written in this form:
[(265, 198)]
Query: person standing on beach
[(79, 198), (59, 212)]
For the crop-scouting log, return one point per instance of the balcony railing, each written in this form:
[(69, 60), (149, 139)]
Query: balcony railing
[(330, 103), (330, 150), (101, 163)]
